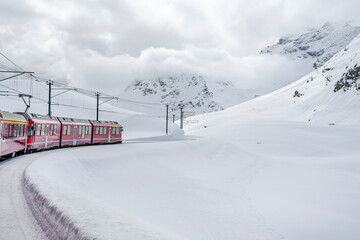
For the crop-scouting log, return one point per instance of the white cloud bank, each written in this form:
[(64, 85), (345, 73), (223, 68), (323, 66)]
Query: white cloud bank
[(104, 45)]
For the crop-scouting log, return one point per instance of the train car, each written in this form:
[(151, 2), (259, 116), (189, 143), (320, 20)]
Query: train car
[(106, 132), (12, 133), (75, 132), (43, 132)]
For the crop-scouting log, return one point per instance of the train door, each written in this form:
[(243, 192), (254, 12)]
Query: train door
[(109, 134), (75, 135), (46, 134), (1, 135)]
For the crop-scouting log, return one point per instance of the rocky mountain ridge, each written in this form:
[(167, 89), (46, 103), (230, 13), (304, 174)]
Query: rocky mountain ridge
[(192, 92), (316, 46)]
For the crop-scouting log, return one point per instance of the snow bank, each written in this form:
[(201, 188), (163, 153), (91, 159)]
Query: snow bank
[(52, 221)]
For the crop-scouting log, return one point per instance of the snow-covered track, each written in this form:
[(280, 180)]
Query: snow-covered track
[(16, 219)]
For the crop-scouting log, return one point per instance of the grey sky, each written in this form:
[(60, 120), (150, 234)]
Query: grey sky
[(99, 44)]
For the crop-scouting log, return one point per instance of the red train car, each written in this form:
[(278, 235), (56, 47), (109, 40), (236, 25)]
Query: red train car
[(75, 132), (43, 132), (106, 132), (12, 133)]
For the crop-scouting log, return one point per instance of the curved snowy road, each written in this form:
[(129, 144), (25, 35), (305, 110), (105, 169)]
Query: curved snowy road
[(16, 219)]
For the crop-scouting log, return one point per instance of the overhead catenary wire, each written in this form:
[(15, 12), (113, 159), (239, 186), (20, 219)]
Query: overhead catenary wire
[(39, 92)]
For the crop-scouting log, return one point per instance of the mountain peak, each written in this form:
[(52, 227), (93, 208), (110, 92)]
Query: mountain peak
[(316, 46)]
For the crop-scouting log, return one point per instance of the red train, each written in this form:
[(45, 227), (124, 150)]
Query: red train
[(29, 132)]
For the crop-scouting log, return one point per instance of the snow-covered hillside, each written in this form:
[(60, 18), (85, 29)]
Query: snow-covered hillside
[(316, 46), (193, 92), (197, 94), (281, 166)]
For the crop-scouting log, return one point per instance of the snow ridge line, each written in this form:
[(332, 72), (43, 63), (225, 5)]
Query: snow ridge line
[(55, 224)]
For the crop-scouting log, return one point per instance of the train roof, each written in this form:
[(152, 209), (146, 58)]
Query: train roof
[(73, 120), (12, 117), (35, 116), (110, 123)]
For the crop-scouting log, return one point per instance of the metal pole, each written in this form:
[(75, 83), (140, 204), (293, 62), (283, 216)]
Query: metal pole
[(173, 118), (49, 103), (181, 118), (97, 94), (167, 119)]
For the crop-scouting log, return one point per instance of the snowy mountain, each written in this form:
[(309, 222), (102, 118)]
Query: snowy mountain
[(197, 94), (192, 92), (281, 166), (316, 46), (328, 95)]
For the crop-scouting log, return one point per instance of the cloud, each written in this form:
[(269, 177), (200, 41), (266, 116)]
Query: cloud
[(106, 44)]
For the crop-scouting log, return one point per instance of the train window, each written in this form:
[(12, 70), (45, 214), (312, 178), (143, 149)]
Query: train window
[(31, 130), (38, 129), (66, 130), (6, 129), (101, 130), (105, 128), (15, 130), (11, 130), (42, 129), (52, 130), (97, 130)]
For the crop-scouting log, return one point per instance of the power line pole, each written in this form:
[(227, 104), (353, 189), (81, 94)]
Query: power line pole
[(167, 119), (181, 118), (49, 82), (97, 94)]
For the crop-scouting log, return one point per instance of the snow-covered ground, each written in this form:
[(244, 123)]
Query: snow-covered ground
[(282, 166), (269, 180)]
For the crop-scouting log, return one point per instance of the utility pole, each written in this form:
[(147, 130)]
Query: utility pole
[(167, 119), (97, 94), (181, 118), (49, 82)]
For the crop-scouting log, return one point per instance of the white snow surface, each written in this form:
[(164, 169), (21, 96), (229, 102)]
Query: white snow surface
[(277, 167)]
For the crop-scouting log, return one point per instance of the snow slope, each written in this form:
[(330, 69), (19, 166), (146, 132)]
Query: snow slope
[(282, 166), (316, 46), (293, 56)]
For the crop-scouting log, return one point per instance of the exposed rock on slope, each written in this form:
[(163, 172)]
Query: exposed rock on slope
[(192, 92), (317, 46)]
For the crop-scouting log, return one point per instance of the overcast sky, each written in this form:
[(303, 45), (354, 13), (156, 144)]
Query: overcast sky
[(106, 44)]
